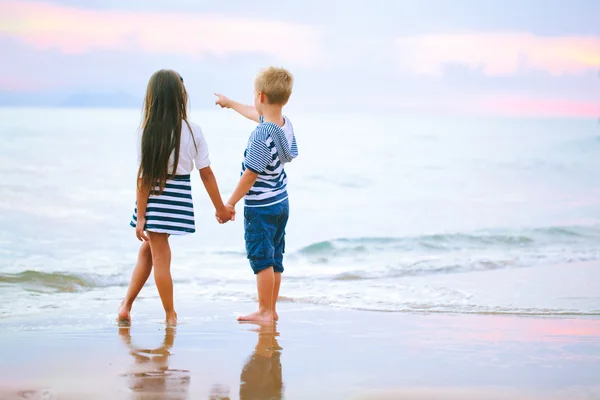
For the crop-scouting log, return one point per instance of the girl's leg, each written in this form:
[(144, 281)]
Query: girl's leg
[(140, 275), (161, 260)]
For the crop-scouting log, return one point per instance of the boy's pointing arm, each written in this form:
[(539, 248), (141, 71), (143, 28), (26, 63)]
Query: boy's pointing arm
[(243, 109)]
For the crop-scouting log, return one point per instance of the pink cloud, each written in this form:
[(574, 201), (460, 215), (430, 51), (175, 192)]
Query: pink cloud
[(12, 84), (496, 104), (499, 54), (536, 107), (72, 30)]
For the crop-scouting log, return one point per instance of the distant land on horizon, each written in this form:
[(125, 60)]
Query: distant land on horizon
[(90, 100), (123, 100), (70, 100)]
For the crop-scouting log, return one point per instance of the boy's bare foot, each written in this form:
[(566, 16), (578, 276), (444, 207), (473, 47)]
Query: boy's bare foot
[(124, 314), (257, 316), (171, 319)]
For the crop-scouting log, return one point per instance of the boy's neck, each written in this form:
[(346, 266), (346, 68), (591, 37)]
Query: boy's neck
[(273, 114)]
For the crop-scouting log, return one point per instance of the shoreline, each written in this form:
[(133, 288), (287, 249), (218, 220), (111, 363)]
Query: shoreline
[(565, 290), (322, 353)]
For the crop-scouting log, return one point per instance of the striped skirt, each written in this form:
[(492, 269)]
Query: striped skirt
[(172, 211)]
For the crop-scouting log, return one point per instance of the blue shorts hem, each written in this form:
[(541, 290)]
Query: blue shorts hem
[(258, 267), (264, 234)]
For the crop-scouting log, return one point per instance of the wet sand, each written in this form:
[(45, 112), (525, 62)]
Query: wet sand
[(312, 353)]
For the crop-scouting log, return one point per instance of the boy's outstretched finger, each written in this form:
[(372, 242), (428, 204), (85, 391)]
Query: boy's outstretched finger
[(219, 100)]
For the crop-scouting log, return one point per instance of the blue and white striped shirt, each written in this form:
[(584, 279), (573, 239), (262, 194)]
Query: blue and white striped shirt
[(269, 148)]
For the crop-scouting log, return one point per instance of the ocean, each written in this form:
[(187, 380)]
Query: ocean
[(395, 213)]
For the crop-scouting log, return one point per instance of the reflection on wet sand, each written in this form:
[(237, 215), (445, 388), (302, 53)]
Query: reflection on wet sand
[(150, 376), (261, 376), (219, 392)]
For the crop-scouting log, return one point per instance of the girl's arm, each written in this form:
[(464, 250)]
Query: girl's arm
[(223, 213), (142, 202), (243, 109)]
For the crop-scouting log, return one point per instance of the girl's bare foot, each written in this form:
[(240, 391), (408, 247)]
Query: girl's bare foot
[(124, 314), (258, 316), (171, 319)]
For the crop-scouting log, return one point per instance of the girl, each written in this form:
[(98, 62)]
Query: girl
[(168, 149)]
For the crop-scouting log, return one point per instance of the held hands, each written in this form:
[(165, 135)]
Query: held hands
[(222, 101), (225, 214)]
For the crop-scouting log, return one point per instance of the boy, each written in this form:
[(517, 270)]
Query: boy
[(263, 184)]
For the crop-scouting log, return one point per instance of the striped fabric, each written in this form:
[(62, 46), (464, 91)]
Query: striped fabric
[(172, 211), (267, 152)]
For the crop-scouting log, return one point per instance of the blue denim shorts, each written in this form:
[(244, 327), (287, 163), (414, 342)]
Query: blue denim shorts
[(264, 233)]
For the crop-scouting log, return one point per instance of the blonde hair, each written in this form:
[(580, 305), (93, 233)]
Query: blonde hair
[(276, 84)]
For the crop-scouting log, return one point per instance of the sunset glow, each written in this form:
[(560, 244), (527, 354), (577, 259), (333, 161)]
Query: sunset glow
[(469, 62), (529, 107), (46, 26), (499, 54)]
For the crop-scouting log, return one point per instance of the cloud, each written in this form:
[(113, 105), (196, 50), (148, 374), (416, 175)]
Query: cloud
[(71, 30), (18, 85), (525, 106), (499, 54)]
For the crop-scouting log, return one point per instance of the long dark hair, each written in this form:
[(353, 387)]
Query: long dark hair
[(165, 108)]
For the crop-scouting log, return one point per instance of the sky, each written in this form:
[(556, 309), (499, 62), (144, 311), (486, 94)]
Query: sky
[(533, 58)]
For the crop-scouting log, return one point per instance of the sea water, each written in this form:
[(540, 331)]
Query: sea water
[(406, 213)]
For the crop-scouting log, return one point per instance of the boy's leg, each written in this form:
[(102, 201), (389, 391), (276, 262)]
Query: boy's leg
[(140, 275), (264, 286), (276, 286), (279, 250), (259, 230), (161, 259)]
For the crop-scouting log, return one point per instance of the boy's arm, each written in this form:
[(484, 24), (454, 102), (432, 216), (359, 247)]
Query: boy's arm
[(223, 213), (245, 184), (245, 110), (258, 156)]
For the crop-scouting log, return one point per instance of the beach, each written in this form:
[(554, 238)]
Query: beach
[(416, 184), (313, 353), (454, 263)]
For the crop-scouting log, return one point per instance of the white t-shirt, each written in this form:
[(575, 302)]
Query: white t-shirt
[(288, 130), (189, 155)]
